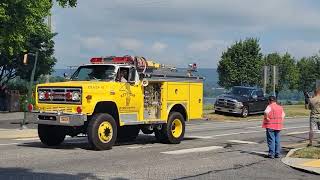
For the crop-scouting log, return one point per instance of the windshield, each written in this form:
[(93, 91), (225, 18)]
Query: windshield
[(241, 91), (94, 72)]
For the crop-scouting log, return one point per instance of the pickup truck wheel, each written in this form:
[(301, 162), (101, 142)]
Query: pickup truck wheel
[(51, 135), (173, 131), (128, 133), (245, 111), (102, 132)]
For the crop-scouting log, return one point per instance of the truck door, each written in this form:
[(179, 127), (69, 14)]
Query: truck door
[(263, 101), (253, 102), (130, 94)]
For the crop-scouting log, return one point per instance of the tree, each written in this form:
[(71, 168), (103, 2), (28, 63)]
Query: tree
[(241, 64), (288, 72), (23, 28), (309, 72)]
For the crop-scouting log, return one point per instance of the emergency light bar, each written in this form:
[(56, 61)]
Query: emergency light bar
[(112, 59)]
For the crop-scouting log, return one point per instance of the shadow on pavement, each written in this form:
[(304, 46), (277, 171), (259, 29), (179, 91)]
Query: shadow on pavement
[(22, 173)]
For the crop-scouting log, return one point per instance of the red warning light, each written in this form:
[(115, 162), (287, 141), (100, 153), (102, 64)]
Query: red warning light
[(96, 60)]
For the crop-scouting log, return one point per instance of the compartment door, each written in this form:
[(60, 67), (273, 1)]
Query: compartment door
[(196, 100)]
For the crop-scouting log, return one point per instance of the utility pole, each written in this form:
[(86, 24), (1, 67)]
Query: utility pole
[(47, 76), (274, 80), (265, 78)]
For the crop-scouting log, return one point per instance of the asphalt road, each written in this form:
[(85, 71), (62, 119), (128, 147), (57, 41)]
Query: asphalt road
[(211, 150)]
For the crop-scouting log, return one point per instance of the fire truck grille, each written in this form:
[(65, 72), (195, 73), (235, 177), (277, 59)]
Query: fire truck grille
[(59, 95)]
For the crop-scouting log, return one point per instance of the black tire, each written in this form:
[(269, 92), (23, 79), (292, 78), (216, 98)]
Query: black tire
[(166, 134), (51, 135), (102, 140), (245, 112), (160, 136), (128, 133), (218, 112)]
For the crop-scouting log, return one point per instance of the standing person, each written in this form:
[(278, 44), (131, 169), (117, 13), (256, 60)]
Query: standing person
[(306, 99), (273, 123), (314, 106)]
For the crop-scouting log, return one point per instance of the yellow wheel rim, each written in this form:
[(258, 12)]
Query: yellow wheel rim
[(105, 132), (176, 128)]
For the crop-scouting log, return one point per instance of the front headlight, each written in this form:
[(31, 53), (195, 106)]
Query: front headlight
[(239, 104), (76, 96), (41, 95)]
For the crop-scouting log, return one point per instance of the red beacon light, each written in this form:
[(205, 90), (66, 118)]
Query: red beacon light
[(96, 60)]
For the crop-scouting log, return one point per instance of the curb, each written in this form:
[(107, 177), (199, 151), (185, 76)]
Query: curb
[(17, 133), (294, 162)]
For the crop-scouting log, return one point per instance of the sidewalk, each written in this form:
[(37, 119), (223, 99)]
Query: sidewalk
[(17, 133), (11, 116), (310, 165)]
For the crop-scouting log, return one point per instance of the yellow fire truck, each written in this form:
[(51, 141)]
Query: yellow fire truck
[(113, 98)]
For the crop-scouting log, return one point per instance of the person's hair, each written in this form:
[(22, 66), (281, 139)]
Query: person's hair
[(272, 99), (317, 91)]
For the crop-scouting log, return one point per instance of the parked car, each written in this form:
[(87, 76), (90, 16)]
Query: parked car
[(241, 101)]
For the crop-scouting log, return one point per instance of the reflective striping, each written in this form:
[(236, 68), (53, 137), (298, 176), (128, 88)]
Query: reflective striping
[(192, 150), (242, 142)]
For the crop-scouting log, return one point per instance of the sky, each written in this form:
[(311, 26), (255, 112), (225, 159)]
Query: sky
[(179, 32)]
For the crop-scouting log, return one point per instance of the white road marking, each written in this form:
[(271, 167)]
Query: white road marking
[(295, 127), (26, 139), (192, 150), (138, 147), (199, 137), (259, 152), (253, 127), (249, 132), (242, 142), (297, 132), (9, 144)]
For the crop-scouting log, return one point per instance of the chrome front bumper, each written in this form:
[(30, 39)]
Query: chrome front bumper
[(56, 118), (237, 110)]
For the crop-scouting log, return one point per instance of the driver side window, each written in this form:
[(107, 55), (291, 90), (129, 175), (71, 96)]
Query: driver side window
[(132, 75), (123, 74), (260, 93)]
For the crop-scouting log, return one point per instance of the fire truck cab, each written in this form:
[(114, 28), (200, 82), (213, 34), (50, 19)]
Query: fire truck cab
[(113, 98)]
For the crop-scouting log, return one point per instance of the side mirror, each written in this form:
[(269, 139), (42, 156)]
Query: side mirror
[(66, 76), (254, 96)]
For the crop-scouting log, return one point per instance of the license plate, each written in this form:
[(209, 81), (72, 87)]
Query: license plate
[(64, 119)]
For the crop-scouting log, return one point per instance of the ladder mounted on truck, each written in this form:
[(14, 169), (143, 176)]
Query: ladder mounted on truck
[(150, 70)]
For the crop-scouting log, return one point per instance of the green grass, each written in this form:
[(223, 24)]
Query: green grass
[(290, 110), (308, 152)]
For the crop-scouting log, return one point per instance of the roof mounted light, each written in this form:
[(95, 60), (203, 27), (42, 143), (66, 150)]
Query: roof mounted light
[(96, 60)]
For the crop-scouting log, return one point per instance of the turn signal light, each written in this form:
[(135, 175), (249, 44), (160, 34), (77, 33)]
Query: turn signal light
[(30, 107), (79, 110)]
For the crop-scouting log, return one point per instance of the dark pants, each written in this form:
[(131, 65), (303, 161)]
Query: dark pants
[(273, 140)]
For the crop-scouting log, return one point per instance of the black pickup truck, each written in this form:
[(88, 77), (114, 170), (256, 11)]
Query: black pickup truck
[(242, 101)]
